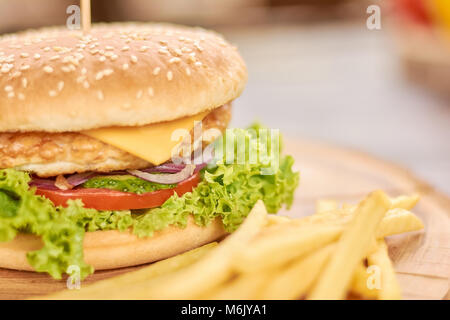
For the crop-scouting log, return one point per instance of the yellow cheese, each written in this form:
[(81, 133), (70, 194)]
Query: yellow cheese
[(152, 142)]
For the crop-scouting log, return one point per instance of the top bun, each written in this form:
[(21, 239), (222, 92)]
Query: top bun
[(58, 80)]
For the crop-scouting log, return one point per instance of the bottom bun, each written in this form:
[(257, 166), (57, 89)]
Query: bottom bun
[(115, 249)]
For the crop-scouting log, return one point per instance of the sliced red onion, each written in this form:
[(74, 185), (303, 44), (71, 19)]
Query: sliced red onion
[(43, 183), (166, 168), (165, 178), (73, 180), (80, 178)]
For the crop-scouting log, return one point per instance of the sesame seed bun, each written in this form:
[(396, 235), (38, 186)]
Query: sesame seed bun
[(114, 249), (58, 80)]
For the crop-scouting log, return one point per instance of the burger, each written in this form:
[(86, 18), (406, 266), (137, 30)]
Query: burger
[(89, 122)]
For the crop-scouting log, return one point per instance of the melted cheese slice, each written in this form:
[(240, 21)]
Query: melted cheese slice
[(152, 142)]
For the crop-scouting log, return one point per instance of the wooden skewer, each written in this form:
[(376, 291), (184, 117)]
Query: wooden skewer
[(86, 15)]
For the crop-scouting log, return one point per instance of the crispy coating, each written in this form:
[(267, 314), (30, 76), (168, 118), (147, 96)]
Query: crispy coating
[(50, 154)]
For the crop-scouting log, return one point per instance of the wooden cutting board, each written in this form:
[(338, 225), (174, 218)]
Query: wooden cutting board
[(422, 259)]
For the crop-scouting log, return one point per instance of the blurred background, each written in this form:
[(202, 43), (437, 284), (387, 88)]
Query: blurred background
[(317, 71)]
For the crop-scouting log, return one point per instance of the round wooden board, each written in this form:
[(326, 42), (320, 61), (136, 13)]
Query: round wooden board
[(422, 259)]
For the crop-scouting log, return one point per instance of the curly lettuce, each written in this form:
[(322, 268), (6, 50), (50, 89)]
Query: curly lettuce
[(227, 191)]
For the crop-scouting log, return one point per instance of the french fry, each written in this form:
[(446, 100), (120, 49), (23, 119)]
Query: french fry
[(274, 219), (360, 285), (395, 221), (398, 221), (324, 205), (295, 280), (276, 257), (405, 202), (351, 248), (209, 272), (243, 287), (284, 245), (390, 288), (349, 207), (337, 217), (117, 285)]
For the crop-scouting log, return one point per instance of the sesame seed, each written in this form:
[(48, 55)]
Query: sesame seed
[(11, 95), (139, 94), (102, 59), (52, 93), (144, 48), (100, 95), (16, 74), (134, 59), (66, 69), (114, 57), (21, 96), (46, 49), (6, 68), (108, 72), (60, 85), (188, 71), (24, 82), (125, 66), (169, 75), (151, 92), (99, 75), (156, 71), (83, 71), (163, 50), (80, 79), (48, 69), (198, 64), (25, 67), (24, 55), (174, 60), (8, 88), (125, 48), (199, 48), (86, 84), (54, 58)]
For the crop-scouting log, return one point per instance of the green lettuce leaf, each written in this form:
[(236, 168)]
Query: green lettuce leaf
[(23, 211)]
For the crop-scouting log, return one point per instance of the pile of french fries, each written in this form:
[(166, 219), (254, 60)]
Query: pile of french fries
[(336, 253)]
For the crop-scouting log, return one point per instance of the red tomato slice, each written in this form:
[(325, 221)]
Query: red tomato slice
[(105, 199)]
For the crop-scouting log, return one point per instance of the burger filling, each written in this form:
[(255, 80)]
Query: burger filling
[(99, 188)]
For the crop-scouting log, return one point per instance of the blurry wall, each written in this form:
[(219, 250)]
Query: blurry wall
[(22, 14)]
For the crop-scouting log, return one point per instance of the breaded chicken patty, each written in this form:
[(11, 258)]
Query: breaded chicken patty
[(49, 154)]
